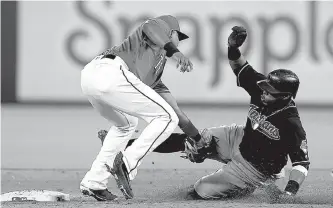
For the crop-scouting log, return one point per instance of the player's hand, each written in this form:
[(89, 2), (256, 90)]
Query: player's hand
[(277, 196), (237, 37), (183, 62), (206, 137), (193, 151), (286, 198)]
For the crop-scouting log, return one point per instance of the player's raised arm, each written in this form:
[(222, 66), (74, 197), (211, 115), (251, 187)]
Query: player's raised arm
[(159, 34), (298, 153), (247, 77)]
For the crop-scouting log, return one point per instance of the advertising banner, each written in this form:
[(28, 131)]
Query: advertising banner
[(56, 40)]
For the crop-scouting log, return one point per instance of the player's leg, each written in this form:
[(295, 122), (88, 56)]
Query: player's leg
[(224, 183), (148, 105), (115, 140), (237, 172), (235, 178), (126, 93), (95, 181), (110, 83), (225, 138), (185, 123)]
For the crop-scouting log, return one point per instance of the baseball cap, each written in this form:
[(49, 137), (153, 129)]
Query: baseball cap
[(174, 25)]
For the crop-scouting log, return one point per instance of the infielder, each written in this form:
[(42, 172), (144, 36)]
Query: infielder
[(254, 154), (124, 84)]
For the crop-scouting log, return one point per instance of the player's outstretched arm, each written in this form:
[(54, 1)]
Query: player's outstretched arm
[(298, 153)]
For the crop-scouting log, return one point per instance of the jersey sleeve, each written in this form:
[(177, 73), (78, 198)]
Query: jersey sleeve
[(156, 31), (247, 78), (161, 88), (298, 148)]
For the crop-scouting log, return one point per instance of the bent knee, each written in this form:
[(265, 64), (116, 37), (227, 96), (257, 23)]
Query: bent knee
[(206, 190), (171, 117), (174, 118), (130, 124), (221, 190)]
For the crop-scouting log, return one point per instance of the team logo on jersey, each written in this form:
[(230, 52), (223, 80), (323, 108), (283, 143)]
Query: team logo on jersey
[(259, 123)]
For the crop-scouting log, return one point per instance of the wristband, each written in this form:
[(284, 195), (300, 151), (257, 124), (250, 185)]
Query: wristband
[(292, 187), (170, 49), (233, 53)]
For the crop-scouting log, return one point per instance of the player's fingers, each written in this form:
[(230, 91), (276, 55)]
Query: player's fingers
[(179, 63), (183, 69), (187, 64), (190, 66), (182, 65)]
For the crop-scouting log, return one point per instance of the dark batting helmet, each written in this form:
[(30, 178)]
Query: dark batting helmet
[(280, 82)]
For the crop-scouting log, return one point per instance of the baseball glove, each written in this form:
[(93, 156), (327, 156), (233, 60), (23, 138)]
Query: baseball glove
[(193, 152), (237, 37)]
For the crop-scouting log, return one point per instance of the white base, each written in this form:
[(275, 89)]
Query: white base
[(34, 195)]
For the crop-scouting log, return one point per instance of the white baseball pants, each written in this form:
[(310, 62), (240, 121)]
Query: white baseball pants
[(120, 97)]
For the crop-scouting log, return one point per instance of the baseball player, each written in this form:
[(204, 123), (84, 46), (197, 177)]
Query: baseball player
[(254, 154), (124, 84)]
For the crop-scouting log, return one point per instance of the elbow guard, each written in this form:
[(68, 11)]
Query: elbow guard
[(301, 169)]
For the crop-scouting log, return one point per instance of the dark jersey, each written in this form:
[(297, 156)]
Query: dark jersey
[(143, 51), (271, 133)]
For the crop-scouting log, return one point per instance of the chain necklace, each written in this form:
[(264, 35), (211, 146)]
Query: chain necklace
[(257, 124)]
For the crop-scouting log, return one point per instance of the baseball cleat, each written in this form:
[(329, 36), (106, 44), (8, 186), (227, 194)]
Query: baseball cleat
[(99, 195), (120, 174)]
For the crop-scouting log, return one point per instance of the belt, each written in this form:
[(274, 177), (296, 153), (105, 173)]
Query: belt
[(113, 57), (109, 56)]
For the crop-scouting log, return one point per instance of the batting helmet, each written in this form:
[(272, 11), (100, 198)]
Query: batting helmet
[(174, 25), (280, 81)]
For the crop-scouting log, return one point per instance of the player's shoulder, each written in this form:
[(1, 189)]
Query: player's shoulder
[(293, 119)]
